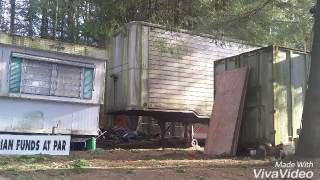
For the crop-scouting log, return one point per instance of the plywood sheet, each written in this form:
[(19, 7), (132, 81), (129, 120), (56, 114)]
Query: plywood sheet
[(224, 126)]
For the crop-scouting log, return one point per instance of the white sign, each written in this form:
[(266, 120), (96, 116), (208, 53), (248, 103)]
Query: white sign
[(34, 144)]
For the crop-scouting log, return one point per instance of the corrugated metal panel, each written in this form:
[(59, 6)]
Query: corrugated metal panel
[(259, 106), (299, 78), (281, 95), (276, 92)]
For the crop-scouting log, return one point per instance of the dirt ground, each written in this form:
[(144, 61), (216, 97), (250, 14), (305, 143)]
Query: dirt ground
[(132, 164)]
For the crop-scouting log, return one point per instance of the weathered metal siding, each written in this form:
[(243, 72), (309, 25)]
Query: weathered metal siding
[(33, 116), (164, 70), (38, 112), (275, 93), (51, 45), (299, 79), (290, 70), (123, 76)]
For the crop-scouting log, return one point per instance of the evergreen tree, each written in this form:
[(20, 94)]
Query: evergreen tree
[(286, 23)]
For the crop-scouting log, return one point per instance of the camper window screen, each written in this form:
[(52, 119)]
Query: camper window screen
[(50, 79)]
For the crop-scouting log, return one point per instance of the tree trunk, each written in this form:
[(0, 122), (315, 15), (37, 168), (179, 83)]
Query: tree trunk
[(55, 18), (30, 17), (44, 22), (176, 13), (1, 14), (309, 144), (70, 20), (77, 23), (12, 16), (62, 22)]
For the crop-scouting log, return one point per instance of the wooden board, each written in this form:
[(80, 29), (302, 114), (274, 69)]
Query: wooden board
[(224, 126)]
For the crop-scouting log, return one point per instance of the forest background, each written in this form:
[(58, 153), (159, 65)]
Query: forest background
[(281, 22)]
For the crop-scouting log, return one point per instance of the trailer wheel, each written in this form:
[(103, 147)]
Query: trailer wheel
[(194, 143)]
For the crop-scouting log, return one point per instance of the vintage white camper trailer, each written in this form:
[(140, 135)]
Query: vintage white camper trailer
[(48, 86)]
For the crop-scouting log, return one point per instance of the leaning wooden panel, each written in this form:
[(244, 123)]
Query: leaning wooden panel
[(225, 122)]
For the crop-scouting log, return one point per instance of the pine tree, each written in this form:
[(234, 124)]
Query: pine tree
[(309, 139), (12, 16)]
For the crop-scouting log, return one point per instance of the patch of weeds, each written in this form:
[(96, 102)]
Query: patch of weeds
[(33, 159), (12, 171), (181, 170), (4, 163), (79, 165)]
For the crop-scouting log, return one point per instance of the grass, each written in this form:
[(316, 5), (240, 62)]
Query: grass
[(4, 163), (79, 165), (33, 159)]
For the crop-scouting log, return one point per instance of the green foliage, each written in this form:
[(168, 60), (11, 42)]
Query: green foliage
[(263, 22), (280, 22)]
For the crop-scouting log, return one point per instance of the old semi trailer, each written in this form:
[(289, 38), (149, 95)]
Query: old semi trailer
[(163, 73)]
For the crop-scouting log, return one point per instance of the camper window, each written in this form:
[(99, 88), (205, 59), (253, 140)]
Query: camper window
[(50, 79)]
